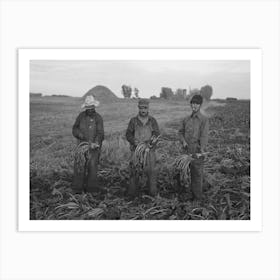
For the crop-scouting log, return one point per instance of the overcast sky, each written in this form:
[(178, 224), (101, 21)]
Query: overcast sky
[(230, 78)]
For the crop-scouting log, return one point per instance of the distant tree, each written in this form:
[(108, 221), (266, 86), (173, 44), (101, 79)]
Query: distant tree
[(166, 93), (206, 92), (153, 97), (231, 99), (60, 95), (126, 91), (192, 92), (136, 92), (180, 93), (36, 94)]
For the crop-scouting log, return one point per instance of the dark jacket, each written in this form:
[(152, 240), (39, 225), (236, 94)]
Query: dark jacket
[(88, 128), (135, 123)]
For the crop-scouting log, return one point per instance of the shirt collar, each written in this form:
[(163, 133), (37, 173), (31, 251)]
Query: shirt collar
[(138, 118), (89, 115), (197, 114)]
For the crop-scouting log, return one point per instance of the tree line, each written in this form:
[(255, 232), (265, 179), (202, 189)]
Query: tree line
[(167, 93)]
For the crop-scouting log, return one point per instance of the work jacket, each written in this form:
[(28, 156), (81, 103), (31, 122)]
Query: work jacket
[(141, 132), (89, 128), (194, 129)]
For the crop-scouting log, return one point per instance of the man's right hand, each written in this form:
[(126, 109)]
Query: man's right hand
[(136, 143), (185, 145), (81, 136)]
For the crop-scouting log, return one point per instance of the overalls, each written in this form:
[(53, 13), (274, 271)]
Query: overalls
[(143, 133)]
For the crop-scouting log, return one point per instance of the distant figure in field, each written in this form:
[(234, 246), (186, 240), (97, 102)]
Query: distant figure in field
[(193, 135), (89, 131), (142, 128)]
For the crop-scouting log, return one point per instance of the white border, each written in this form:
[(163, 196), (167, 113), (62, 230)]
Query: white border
[(254, 55)]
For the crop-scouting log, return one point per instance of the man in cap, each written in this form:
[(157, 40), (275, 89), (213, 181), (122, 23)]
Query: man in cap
[(88, 127), (193, 135), (142, 128)]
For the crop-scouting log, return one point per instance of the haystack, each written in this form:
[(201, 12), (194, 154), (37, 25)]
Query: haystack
[(102, 94)]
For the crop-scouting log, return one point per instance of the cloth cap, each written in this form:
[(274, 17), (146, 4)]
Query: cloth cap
[(90, 102), (197, 99), (143, 102)]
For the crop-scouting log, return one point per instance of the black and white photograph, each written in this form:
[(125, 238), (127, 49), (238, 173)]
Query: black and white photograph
[(140, 139)]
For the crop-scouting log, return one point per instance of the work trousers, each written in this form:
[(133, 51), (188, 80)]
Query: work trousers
[(150, 171), (87, 179), (196, 170)]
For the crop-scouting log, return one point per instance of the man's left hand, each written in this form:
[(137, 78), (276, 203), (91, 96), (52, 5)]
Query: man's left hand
[(94, 146), (203, 153)]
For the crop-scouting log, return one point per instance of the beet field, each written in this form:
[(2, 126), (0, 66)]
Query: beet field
[(227, 166)]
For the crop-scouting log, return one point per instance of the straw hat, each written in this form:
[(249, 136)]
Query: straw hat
[(90, 103)]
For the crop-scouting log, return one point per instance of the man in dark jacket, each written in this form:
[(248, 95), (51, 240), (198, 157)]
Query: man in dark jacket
[(142, 128), (88, 127), (193, 134)]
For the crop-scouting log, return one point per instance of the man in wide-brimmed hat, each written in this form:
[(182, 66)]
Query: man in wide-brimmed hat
[(193, 134), (88, 127), (142, 128)]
